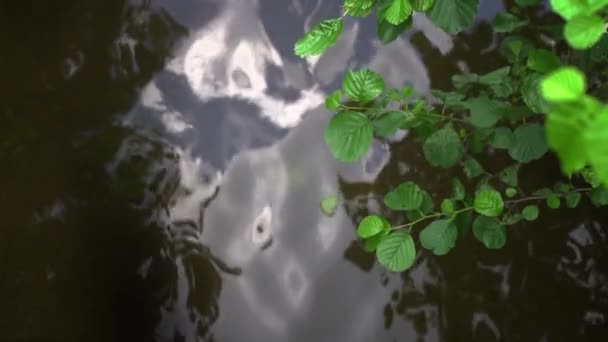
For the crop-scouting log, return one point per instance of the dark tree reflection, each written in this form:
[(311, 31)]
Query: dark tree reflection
[(87, 252)]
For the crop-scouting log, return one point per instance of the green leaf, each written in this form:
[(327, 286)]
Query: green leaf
[(407, 196), (447, 206), (460, 81), (484, 112), (363, 85), (448, 98), (372, 225), (388, 32), (372, 243), (502, 138), (564, 84), (398, 12), (458, 191), (599, 196), (439, 236), (568, 9), (349, 135), (566, 127), (490, 232), (562, 187), (511, 192), (591, 177), (453, 15), (573, 199), (583, 31), (504, 89), (529, 143), (422, 5), (507, 22), (488, 202), (388, 123), (530, 212), (553, 201), (509, 175), (334, 100), (543, 61), (443, 147), (515, 48), (396, 252), (319, 38), (329, 204), (531, 93), (495, 77), (596, 143), (472, 168), (358, 8)]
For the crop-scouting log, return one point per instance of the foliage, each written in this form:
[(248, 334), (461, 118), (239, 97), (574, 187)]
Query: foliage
[(522, 110)]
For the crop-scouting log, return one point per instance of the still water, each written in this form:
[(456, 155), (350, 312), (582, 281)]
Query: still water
[(161, 167)]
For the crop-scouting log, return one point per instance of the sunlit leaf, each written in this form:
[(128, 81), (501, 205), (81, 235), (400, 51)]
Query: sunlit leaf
[(363, 85), (372, 225), (596, 144), (333, 101), (564, 84), (358, 8), (319, 38), (422, 5), (388, 32), (568, 9), (490, 232), (398, 11), (349, 135), (443, 148), (396, 251), (529, 143), (439, 236), (329, 204), (583, 31), (488, 202), (407, 196)]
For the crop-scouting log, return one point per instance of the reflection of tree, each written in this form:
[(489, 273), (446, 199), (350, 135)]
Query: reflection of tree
[(86, 253), (550, 283)]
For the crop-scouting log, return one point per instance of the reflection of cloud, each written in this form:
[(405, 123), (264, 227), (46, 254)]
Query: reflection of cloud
[(230, 59)]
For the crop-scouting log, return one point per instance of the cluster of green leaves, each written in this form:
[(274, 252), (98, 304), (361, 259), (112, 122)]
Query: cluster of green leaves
[(392, 18), (584, 27), (520, 110)]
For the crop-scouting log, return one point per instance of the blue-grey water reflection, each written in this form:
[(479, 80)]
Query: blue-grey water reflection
[(163, 163)]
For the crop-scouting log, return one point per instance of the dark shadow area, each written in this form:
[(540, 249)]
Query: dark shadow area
[(86, 250)]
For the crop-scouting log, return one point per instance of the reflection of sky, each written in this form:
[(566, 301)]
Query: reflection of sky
[(230, 82)]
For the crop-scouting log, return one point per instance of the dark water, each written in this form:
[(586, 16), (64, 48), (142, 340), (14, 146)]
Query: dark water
[(161, 167)]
